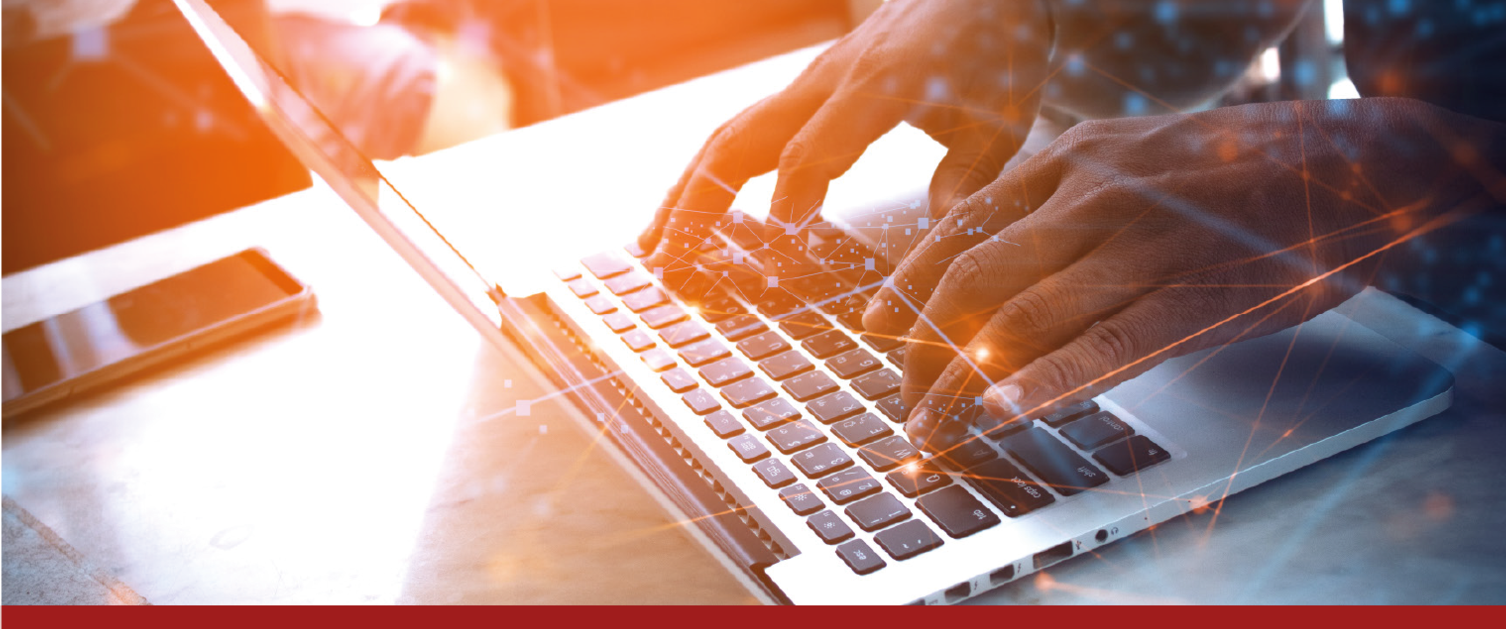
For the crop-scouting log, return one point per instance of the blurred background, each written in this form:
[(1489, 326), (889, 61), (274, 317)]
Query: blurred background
[(118, 123)]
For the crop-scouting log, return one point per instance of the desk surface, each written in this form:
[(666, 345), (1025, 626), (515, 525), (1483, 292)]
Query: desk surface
[(368, 453)]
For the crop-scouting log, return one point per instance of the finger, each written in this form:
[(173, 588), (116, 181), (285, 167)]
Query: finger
[(979, 218), (746, 146), (824, 149), (975, 284), (977, 152), (1161, 325), (1031, 324)]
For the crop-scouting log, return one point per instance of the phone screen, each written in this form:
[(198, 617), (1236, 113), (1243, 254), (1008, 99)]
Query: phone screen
[(77, 342)]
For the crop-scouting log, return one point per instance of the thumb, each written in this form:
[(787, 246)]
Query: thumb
[(964, 171)]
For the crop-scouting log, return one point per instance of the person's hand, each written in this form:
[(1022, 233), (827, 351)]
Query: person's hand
[(967, 72), (1130, 241)]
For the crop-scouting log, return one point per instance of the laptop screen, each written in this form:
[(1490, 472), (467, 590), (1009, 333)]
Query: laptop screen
[(320, 146)]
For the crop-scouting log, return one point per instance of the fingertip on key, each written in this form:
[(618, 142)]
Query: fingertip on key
[(1003, 399)]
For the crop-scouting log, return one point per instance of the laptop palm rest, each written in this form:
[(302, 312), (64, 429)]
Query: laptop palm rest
[(1266, 406)]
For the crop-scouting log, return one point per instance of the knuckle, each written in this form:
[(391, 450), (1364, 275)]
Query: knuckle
[(1112, 342), (870, 64), (794, 155), (1030, 313), (969, 267), (1058, 371)]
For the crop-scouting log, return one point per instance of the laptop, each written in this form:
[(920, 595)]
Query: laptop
[(770, 426)]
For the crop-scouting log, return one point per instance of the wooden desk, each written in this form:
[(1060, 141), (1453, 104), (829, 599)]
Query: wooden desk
[(359, 456)]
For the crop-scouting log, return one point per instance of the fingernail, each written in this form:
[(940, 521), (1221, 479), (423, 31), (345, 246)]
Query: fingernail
[(1003, 400), (920, 426)]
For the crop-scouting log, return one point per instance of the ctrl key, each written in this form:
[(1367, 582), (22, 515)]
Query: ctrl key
[(907, 540), (858, 556)]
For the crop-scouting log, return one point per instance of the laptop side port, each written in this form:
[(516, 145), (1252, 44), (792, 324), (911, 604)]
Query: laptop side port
[(1001, 576), (1053, 554), (958, 592)]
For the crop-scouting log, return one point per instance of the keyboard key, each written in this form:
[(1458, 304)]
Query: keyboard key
[(633, 249), (663, 317), (619, 322), (907, 540), (821, 460), (771, 413), (828, 344), (794, 436), (624, 284), (582, 288), (745, 393), (1053, 462), (889, 453), (683, 333), (846, 304), (876, 512), (894, 408), (858, 556), (724, 424), (801, 499), (601, 305), (777, 301), (882, 344), (830, 408), (829, 527), (1137, 453), (804, 324), (740, 327), (1008, 488), (861, 429), (762, 345), (567, 274), (645, 299), (848, 485), (809, 386), (701, 401), (773, 473), (657, 359), (970, 452), (606, 264), (748, 448), (703, 352), (1069, 413), (957, 512), (725, 371), (897, 358), (914, 480), (1001, 431), (678, 380), (1096, 430), (877, 384), (638, 340), (719, 309), (784, 365), (849, 365)]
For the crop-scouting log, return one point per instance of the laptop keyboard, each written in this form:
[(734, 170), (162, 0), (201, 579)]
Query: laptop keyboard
[(832, 441)]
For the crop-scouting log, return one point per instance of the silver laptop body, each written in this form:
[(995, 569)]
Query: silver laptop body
[(1217, 422)]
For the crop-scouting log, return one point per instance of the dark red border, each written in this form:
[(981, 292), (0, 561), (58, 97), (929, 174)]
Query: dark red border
[(159, 617)]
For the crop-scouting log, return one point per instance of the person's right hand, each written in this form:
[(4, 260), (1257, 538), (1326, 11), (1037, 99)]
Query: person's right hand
[(967, 72)]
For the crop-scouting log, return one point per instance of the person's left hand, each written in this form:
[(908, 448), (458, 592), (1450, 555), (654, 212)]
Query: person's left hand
[(1130, 241)]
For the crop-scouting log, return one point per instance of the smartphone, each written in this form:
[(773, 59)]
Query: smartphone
[(104, 342)]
